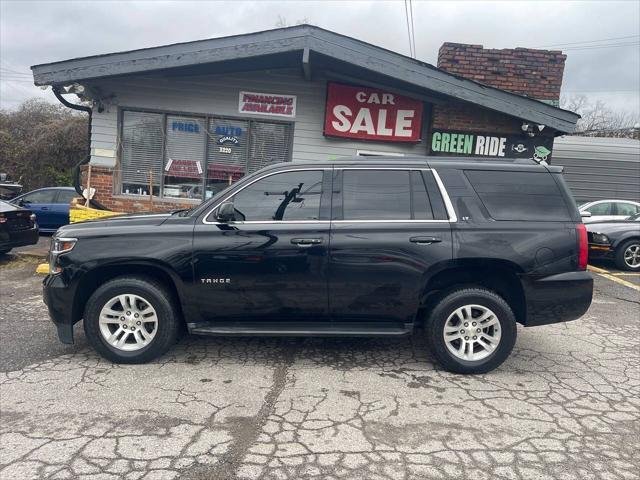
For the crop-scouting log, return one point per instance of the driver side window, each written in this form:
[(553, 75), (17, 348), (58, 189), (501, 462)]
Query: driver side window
[(281, 197), (43, 196), (601, 209)]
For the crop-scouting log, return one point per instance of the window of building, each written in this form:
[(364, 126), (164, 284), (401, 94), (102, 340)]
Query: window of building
[(281, 197), (141, 154), (190, 157)]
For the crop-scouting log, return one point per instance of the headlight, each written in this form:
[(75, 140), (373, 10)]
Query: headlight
[(600, 238), (58, 247), (62, 245)]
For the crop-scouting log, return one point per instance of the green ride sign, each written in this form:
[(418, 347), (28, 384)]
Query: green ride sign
[(471, 144)]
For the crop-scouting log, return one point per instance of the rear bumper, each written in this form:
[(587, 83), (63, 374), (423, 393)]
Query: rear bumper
[(58, 296), (557, 298), (19, 238)]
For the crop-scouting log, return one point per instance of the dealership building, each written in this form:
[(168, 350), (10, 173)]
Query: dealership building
[(174, 124)]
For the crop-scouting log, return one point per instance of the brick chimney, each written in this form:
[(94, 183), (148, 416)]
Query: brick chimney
[(525, 71)]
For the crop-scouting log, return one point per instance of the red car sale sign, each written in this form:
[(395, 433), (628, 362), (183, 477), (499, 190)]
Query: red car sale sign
[(371, 114)]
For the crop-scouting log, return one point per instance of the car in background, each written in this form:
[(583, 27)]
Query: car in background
[(50, 205), (608, 210), (18, 227), (617, 240)]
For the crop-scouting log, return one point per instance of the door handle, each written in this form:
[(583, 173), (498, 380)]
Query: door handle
[(306, 242), (425, 240), (44, 208)]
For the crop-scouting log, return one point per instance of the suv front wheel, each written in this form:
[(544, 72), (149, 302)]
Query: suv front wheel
[(471, 330), (131, 319)]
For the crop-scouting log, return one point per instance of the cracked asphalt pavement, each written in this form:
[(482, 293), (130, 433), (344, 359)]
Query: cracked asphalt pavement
[(565, 405)]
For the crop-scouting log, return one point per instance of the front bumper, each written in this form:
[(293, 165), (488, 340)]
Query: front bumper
[(598, 250), (19, 238), (58, 296), (557, 298)]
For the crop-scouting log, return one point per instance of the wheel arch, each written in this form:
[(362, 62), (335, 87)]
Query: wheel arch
[(497, 275), (95, 277)]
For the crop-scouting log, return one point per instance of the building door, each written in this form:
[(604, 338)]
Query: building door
[(389, 228), (270, 262)]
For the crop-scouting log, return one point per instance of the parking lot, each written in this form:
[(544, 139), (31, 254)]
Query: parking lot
[(565, 405)]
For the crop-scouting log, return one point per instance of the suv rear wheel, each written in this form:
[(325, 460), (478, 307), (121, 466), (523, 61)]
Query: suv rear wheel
[(131, 320), (471, 330)]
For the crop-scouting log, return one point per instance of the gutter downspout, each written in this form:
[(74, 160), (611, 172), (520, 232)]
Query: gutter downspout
[(76, 169)]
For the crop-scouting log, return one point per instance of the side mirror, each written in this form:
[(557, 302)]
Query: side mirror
[(24, 203), (585, 214), (226, 212)]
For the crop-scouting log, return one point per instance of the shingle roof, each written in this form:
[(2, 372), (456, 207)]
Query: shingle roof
[(304, 39)]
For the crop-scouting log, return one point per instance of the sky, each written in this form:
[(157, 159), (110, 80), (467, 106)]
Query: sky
[(601, 38)]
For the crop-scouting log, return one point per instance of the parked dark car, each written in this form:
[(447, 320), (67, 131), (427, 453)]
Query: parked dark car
[(465, 249), (617, 241), (50, 205), (18, 227)]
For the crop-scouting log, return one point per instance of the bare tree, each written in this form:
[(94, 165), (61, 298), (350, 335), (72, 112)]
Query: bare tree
[(599, 120), (40, 143)]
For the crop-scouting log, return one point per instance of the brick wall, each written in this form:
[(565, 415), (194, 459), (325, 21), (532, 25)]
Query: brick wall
[(525, 71), (102, 181)]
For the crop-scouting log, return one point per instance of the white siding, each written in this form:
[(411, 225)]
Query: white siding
[(599, 168), (218, 95)]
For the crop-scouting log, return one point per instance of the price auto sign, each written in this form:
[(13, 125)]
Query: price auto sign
[(371, 114)]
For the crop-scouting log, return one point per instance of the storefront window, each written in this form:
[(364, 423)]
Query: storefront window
[(182, 156), (142, 140), (227, 153)]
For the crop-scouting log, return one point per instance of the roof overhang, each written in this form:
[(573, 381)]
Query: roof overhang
[(302, 42)]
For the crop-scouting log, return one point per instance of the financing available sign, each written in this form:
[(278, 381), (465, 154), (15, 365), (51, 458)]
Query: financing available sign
[(471, 144), (371, 114), (272, 104)]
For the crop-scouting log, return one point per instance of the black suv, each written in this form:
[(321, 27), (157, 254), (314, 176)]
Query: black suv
[(465, 249)]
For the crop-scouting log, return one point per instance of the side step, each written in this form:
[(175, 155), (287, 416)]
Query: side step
[(301, 329)]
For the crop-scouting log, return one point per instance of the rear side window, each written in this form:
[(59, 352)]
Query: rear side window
[(626, 209), (519, 195), (391, 195), (65, 196), (376, 195)]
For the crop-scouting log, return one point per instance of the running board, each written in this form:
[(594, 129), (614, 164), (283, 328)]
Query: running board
[(310, 329)]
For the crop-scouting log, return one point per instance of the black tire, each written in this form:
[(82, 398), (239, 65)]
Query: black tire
[(449, 303), (157, 295), (620, 262)]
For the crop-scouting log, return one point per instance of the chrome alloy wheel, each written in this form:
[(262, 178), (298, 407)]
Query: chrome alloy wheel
[(472, 332), (632, 255), (128, 322)]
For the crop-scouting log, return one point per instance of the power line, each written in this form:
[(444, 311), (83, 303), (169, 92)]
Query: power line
[(406, 14), (597, 47), (413, 29), (587, 41)]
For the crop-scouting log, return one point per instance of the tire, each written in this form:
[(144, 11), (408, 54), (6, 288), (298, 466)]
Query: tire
[(159, 319), (502, 331), (625, 250)]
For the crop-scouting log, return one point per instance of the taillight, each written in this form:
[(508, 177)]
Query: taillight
[(583, 246)]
